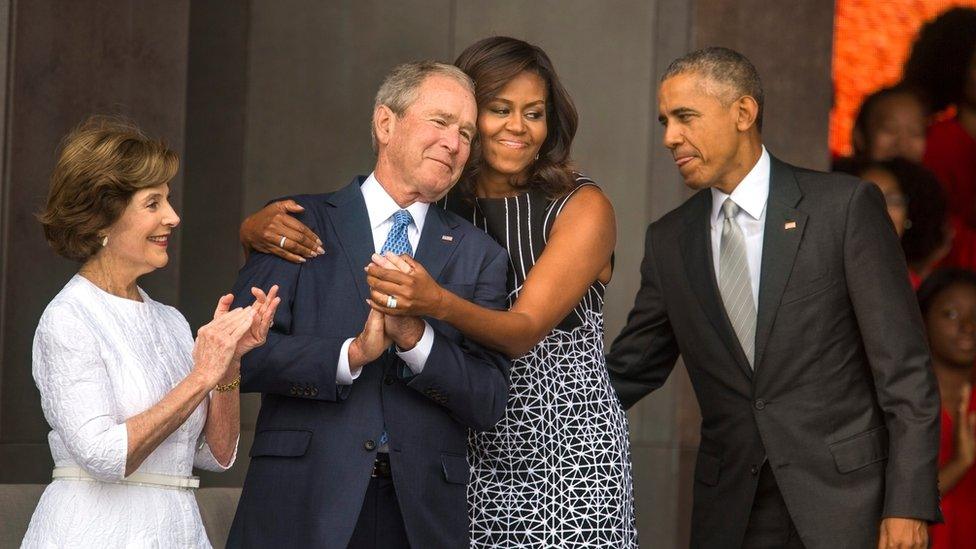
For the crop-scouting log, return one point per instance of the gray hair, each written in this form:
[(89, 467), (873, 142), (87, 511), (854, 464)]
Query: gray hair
[(399, 88), (726, 67)]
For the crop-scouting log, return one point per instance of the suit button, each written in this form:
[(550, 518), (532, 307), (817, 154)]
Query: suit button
[(388, 380), (315, 391), (370, 445), (754, 470), (292, 390), (760, 404), (308, 392)]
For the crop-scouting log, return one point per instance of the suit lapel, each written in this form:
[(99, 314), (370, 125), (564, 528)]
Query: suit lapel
[(696, 249), (350, 220), (781, 240), (434, 250)]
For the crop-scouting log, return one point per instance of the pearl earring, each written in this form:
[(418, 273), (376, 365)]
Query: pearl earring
[(105, 241)]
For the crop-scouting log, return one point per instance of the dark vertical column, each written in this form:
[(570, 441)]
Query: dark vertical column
[(790, 43), (213, 165), (67, 60), (6, 34)]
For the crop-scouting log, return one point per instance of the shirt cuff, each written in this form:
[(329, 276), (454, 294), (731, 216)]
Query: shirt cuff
[(343, 374), (416, 358)]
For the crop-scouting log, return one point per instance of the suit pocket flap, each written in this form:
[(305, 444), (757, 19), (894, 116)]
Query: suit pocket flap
[(281, 443), (707, 469), (860, 450), (456, 468)]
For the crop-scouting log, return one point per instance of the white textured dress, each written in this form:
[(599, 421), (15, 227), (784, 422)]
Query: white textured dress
[(98, 360)]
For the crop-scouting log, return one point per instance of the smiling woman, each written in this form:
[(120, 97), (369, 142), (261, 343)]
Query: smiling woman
[(124, 387), (564, 430)]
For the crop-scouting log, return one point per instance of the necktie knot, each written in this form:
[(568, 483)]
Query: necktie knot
[(402, 218), (730, 209), (397, 241)]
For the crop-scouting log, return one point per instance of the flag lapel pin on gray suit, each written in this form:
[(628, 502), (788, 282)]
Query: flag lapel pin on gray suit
[(447, 238), (790, 225)]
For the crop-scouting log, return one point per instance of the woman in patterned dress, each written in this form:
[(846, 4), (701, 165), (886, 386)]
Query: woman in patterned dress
[(555, 471)]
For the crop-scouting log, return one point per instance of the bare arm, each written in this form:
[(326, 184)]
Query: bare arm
[(965, 446), (213, 356), (223, 427), (578, 253)]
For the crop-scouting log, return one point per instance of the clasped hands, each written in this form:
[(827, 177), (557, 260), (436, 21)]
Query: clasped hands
[(416, 294)]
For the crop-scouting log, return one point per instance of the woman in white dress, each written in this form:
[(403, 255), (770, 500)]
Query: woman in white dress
[(133, 402)]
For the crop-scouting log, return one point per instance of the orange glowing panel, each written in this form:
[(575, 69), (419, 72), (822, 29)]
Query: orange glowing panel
[(872, 39)]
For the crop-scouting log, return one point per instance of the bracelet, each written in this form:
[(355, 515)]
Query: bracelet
[(228, 387)]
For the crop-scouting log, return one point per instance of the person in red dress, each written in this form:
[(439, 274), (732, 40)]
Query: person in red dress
[(942, 65), (948, 303)]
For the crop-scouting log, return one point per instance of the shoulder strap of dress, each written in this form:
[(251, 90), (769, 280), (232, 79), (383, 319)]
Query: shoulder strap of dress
[(556, 207)]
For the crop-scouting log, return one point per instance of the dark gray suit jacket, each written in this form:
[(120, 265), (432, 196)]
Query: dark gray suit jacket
[(315, 441), (842, 401)]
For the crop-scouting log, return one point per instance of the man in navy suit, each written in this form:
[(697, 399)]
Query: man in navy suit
[(362, 433)]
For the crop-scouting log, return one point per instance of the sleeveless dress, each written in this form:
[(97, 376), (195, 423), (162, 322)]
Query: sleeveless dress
[(555, 471)]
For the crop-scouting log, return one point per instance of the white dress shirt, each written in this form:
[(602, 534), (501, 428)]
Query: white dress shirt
[(750, 195), (381, 207)]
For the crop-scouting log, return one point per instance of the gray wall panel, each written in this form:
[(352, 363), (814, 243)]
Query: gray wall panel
[(214, 168), (790, 43), (313, 71)]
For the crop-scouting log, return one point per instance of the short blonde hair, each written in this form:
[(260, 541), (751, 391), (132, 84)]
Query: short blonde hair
[(101, 164), (399, 89)]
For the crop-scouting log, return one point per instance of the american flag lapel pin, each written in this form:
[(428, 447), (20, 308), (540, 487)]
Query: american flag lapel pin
[(447, 238), (790, 225)]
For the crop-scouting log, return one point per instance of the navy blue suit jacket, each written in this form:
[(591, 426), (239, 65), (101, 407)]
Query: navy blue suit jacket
[(315, 441)]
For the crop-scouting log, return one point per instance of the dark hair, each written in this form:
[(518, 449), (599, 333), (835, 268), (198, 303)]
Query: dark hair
[(492, 63), (940, 281), (926, 203), (940, 57), (870, 104), (725, 66), (101, 164)]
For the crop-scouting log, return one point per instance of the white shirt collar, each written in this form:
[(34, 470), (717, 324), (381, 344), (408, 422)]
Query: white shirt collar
[(380, 205), (750, 194)]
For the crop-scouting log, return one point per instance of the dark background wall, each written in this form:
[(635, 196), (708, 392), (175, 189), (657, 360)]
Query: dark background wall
[(267, 98)]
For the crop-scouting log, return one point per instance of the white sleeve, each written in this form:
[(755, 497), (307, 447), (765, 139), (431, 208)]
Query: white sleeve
[(344, 375), (416, 358), (76, 394)]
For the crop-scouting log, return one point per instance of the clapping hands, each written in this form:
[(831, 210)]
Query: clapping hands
[(381, 329), (232, 333), (264, 307)]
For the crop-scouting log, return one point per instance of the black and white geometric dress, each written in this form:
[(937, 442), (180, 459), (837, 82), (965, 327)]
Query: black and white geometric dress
[(555, 471)]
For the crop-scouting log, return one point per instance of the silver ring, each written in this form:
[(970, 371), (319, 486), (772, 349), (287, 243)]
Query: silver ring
[(281, 243), (390, 302)]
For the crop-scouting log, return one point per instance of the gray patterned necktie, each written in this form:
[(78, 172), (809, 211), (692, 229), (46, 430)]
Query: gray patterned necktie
[(734, 281)]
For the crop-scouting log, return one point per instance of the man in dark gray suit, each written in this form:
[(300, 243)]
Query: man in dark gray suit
[(786, 293)]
